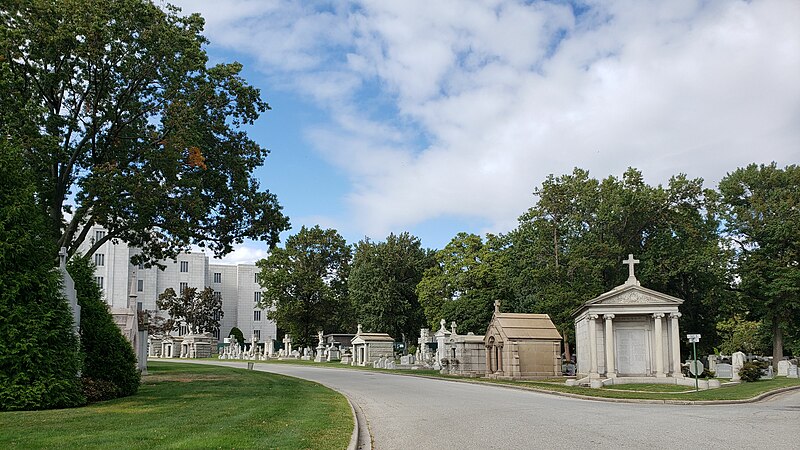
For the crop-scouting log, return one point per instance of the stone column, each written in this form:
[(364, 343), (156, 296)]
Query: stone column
[(500, 359), (488, 360), (659, 345), (675, 345), (593, 346), (611, 371)]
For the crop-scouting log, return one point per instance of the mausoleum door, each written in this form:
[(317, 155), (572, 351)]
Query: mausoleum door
[(631, 351)]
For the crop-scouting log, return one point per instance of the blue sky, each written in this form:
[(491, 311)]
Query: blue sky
[(440, 117)]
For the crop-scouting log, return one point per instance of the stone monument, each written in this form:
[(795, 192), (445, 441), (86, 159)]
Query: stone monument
[(737, 361)]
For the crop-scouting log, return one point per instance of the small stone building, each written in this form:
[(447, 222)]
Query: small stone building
[(369, 347), (521, 346), (196, 345), (465, 354), (628, 334)]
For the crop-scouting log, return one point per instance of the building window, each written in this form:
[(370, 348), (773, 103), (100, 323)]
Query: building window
[(216, 334), (217, 295), (257, 296), (141, 266), (255, 277), (257, 334), (99, 281), (99, 234), (140, 285), (183, 330), (99, 259), (216, 316), (217, 277), (256, 316), (184, 266), (183, 288)]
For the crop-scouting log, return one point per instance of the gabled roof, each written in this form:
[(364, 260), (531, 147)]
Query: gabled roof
[(630, 294), (371, 337), (524, 326)]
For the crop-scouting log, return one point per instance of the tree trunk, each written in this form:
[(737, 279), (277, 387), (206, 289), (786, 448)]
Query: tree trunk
[(777, 344)]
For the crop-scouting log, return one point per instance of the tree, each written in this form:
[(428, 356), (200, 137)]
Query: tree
[(740, 335), (463, 283), (383, 283), (117, 109), (761, 215), (39, 353), (568, 247), (108, 356), (305, 284), (199, 311)]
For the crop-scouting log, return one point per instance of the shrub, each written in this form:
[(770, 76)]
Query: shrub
[(98, 390), (751, 371), (39, 358), (108, 356)]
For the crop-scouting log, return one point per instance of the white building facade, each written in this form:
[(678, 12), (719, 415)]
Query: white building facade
[(236, 284)]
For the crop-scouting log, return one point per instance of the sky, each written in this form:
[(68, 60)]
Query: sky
[(441, 117)]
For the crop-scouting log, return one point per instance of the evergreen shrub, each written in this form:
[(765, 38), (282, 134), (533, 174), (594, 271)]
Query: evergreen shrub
[(109, 368), (39, 357)]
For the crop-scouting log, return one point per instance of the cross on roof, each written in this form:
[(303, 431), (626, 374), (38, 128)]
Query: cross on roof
[(630, 262)]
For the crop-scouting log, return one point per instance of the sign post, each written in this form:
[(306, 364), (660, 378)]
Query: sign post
[(694, 339)]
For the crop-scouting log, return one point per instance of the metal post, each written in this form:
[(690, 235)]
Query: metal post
[(694, 352)]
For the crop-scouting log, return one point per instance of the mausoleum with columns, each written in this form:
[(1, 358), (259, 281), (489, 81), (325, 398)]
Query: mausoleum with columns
[(628, 335)]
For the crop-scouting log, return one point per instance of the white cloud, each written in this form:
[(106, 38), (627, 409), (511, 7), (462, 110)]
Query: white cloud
[(242, 254), (506, 93)]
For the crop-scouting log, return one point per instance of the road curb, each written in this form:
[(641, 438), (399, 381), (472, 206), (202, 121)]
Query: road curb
[(755, 399), (353, 445)]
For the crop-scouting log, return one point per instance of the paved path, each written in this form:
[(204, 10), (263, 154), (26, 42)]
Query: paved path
[(419, 413)]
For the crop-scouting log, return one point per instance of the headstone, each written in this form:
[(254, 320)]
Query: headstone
[(390, 365), (767, 374), (347, 358), (783, 368), (791, 372), (712, 362), (724, 371), (407, 360), (738, 363)]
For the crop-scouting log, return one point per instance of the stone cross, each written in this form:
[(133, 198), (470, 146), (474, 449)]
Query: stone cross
[(630, 262), (442, 323), (453, 327), (497, 306), (62, 257)]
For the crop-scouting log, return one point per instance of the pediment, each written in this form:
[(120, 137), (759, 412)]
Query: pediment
[(634, 295)]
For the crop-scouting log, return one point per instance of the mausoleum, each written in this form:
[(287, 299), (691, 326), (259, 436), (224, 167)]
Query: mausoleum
[(628, 334), (464, 354), (369, 347), (521, 346)]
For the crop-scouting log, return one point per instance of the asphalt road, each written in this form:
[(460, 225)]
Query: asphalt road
[(406, 412)]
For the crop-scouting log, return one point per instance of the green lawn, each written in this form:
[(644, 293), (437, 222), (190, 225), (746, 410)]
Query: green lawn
[(194, 406), (740, 391), (653, 387)]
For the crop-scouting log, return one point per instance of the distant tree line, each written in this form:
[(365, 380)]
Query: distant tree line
[(732, 254)]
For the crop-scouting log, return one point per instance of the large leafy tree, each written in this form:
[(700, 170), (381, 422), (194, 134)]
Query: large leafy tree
[(39, 352), (200, 311), (305, 284), (383, 283), (464, 282), (761, 215), (568, 247), (125, 125)]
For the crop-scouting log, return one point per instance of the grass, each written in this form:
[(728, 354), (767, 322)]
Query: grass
[(650, 387), (194, 406), (740, 391)]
